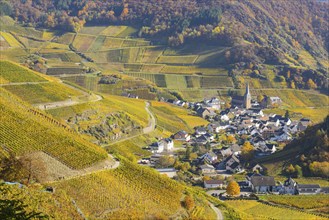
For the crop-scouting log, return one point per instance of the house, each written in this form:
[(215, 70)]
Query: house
[(216, 127), (233, 164), (182, 136), (170, 172), (165, 144), (236, 149), (270, 101), (200, 131), (205, 112), (209, 157), (262, 184), (226, 152), (207, 169), (201, 140), (257, 168), (308, 189), (210, 184), (282, 136), (303, 124), (289, 187), (212, 103)]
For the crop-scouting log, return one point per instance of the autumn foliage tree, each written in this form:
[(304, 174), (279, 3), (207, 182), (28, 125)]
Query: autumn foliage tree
[(233, 188), (247, 151), (189, 202)]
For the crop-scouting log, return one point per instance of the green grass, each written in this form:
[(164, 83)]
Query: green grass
[(175, 81), (113, 30), (38, 132), (93, 30), (12, 73)]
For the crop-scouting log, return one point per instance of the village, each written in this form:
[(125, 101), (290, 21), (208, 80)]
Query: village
[(228, 144)]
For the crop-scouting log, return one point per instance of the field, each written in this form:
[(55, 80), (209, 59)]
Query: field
[(39, 132), (11, 40), (257, 210), (177, 59)]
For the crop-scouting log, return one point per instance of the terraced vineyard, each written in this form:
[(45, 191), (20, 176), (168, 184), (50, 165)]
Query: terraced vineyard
[(39, 132), (42, 93), (12, 73), (301, 201), (258, 210)]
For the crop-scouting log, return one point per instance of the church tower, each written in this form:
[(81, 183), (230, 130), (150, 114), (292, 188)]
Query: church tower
[(247, 98)]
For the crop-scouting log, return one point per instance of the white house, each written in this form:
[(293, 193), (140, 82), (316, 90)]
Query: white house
[(211, 184), (165, 144), (182, 136), (283, 136), (262, 184), (207, 169), (210, 157), (170, 172)]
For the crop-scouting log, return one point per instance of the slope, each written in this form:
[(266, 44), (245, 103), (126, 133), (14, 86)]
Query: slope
[(38, 131)]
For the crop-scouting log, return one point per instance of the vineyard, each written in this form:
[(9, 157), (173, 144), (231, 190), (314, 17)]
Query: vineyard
[(12, 73), (261, 211), (39, 133), (129, 191), (43, 92), (301, 201), (54, 206)]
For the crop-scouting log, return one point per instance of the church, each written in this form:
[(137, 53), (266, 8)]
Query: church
[(242, 101)]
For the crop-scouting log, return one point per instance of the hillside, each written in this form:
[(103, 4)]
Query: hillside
[(310, 152)]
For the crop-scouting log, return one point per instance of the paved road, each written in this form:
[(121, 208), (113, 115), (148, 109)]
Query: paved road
[(217, 211)]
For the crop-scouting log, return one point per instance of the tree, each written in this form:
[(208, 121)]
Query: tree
[(233, 188), (290, 169), (188, 152), (231, 139), (299, 171), (292, 85), (166, 161), (311, 84), (287, 114), (189, 202), (247, 151), (260, 98)]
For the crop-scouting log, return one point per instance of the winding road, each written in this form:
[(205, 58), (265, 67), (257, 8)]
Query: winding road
[(217, 211)]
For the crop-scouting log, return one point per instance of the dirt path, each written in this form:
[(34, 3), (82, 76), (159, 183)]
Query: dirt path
[(23, 83), (217, 211), (65, 103), (151, 126)]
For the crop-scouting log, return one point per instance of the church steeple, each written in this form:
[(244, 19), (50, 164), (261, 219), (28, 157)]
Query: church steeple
[(247, 98)]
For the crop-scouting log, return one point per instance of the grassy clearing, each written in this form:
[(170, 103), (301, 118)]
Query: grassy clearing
[(111, 42), (212, 82), (66, 38), (261, 211), (127, 32)]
